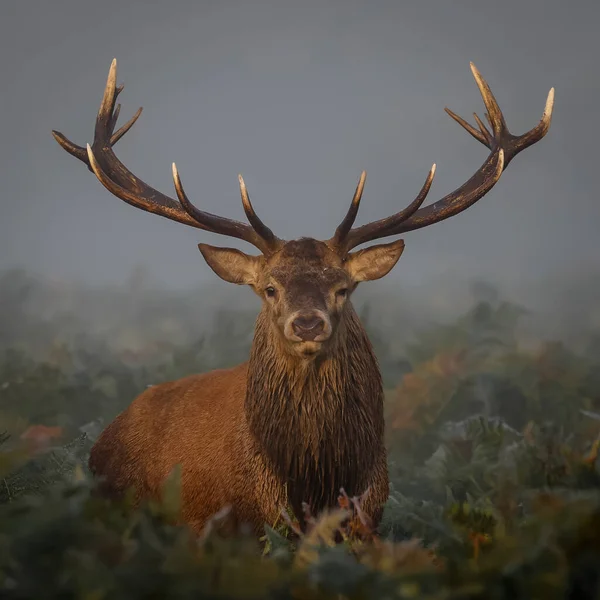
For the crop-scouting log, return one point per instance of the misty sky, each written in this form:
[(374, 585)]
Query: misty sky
[(298, 96)]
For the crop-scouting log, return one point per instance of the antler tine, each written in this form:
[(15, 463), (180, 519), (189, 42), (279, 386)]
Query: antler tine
[(513, 144), (504, 147), (261, 229), (377, 229), (488, 138), (480, 137), (115, 116), (104, 120), (73, 149), (540, 130), (226, 226), (494, 114), (344, 227), (125, 128), (112, 173)]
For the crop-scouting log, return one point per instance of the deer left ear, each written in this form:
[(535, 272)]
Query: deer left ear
[(373, 262)]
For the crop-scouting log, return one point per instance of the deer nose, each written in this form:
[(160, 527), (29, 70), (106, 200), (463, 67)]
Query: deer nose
[(308, 327)]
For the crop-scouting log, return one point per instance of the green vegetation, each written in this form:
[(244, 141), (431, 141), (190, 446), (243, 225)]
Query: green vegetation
[(494, 464)]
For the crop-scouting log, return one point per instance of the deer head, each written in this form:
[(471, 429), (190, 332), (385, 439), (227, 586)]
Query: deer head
[(305, 284)]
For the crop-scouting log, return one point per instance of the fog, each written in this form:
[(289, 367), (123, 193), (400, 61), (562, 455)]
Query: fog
[(487, 329), (299, 97)]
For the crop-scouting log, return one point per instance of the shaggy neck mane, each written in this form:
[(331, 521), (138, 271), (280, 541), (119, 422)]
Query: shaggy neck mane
[(317, 421)]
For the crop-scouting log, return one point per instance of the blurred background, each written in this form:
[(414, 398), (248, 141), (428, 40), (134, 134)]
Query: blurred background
[(487, 331), (299, 97)]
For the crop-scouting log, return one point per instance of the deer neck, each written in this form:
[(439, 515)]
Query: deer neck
[(317, 421)]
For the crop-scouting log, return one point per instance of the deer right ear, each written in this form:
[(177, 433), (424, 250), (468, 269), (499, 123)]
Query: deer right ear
[(230, 264)]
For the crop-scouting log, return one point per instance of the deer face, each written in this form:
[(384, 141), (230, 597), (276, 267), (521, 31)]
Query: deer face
[(305, 286)]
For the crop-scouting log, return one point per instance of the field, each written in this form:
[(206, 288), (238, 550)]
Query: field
[(493, 431)]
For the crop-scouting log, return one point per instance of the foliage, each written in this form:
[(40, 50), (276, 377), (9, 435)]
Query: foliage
[(514, 539), (493, 455)]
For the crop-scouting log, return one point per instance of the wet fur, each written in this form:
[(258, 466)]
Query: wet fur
[(278, 430)]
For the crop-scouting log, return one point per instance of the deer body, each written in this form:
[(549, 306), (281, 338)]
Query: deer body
[(253, 446), (304, 417)]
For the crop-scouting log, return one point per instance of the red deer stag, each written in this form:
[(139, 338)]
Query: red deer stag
[(304, 416)]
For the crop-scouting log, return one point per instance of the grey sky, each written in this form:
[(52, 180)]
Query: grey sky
[(298, 97)]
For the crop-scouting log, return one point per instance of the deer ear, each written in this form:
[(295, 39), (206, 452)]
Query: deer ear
[(230, 264), (373, 262)]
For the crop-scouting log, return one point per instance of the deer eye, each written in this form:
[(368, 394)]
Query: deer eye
[(270, 292), (342, 293)]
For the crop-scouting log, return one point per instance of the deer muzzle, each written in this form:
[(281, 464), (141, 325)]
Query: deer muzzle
[(308, 326)]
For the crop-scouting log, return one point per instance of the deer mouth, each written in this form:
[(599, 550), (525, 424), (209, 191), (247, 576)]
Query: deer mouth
[(309, 346), (308, 349)]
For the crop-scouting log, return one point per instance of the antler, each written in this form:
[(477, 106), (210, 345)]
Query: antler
[(504, 147), (121, 182)]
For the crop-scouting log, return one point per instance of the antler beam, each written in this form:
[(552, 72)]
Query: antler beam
[(117, 179), (504, 147)]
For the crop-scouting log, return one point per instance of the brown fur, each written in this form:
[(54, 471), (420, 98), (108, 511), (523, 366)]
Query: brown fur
[(282, 429), (304, 416)]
